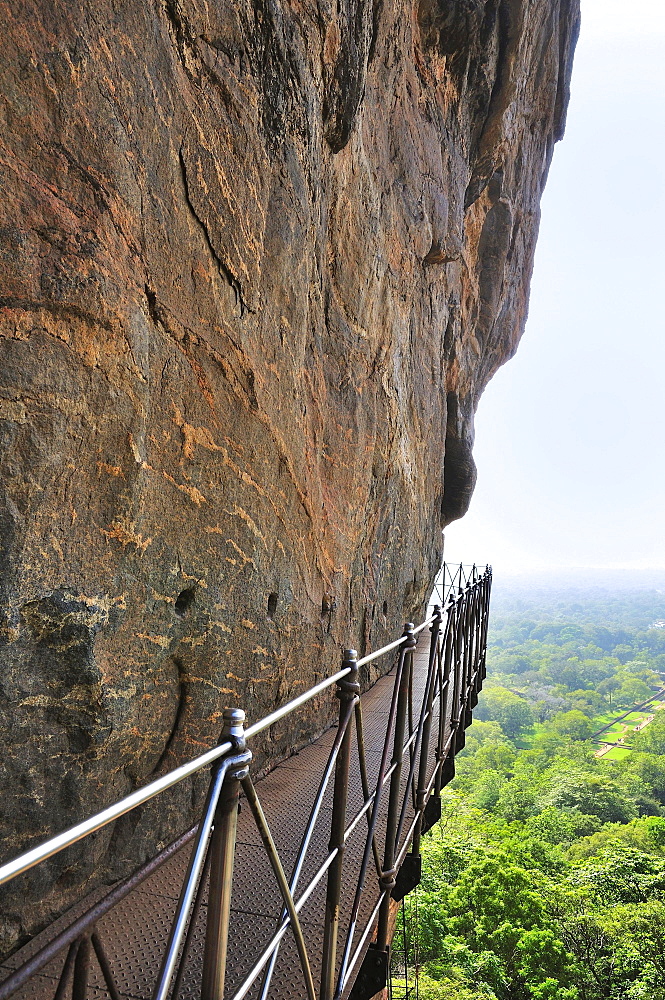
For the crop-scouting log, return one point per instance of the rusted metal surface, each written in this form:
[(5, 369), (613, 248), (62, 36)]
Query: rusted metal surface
[(283, 898)]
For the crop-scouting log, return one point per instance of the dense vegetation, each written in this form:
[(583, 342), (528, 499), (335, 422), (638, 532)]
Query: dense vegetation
[(572, 661), (546, 878)]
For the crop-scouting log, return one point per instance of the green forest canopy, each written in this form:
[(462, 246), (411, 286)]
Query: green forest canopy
[(546, 878)]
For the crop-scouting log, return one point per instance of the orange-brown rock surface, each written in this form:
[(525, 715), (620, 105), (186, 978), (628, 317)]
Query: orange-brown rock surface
[(257, 262)]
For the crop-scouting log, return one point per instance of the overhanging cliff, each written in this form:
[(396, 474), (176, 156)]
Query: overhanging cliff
[(259, 261)]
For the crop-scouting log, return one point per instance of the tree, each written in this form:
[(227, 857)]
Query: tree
[(486, 790), (593, 794), (496, 913), (574, 724), (633, 691), (517, 800), (511, 663), (608, 687), (554, 826), (651, 739), (621, 873), (508, 709), (645, 927), (447, 987), (649, 767), (590, 702)]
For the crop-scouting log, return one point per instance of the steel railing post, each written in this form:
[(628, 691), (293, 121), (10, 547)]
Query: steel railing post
[(388, 873), (421, 793), (348, 690), (222, 848), (458, 667), (486, 610), (474, 637), (482, 587), (468, 648), (447, 699), (455, 661), (81, 969), (467, 643)]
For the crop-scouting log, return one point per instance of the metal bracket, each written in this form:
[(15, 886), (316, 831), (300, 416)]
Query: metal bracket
[(431, 814), (447, 770), (409, 875), (373, 974)]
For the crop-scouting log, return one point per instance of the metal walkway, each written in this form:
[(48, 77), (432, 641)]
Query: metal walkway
[(344, 815)]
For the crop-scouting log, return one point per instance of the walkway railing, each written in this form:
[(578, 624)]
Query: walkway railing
[(452, 579), (399, 805)]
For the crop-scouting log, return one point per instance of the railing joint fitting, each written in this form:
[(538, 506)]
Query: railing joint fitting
[(408, 635), (348, 688), (387, 879), (233, 732)]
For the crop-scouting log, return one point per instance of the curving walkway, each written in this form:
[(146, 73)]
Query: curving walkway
[(133, 934)]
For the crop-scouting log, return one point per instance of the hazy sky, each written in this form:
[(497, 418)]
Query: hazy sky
[(570, 434)]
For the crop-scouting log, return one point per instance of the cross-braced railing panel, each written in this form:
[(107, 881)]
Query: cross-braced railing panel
[(284, 897), (453, 579)]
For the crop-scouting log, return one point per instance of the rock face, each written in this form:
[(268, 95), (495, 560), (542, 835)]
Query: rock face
[(258, 262)]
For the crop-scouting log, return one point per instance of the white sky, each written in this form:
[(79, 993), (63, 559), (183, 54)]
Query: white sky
[(570, 435)]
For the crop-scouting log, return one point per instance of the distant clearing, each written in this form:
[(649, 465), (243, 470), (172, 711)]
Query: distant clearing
[(617, 753)]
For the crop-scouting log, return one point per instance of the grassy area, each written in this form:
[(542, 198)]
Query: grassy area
[(613, 732), (616, 753), (604, 720), (624, 728), (617, 729)]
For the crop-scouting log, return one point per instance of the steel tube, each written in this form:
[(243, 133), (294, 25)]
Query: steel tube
[(414, 751), (393, 645), (309, 830), (66, 970), (426, 725), (381, 780), (104, 966), (269, 844), (142, 795), (445, 699), (194, 913), (361, 944), (393, 799), (194, 867), (364, 782), (81, 969), (96, 822), (75, 833), (347, 691), (222, 850), (277, 937)]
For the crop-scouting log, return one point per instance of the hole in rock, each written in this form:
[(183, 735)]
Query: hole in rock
[(385, 608), (272, 604), (184, 601)]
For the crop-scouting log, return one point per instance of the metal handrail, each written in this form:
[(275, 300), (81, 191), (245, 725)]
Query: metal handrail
[(65, 839), (456, 669)]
